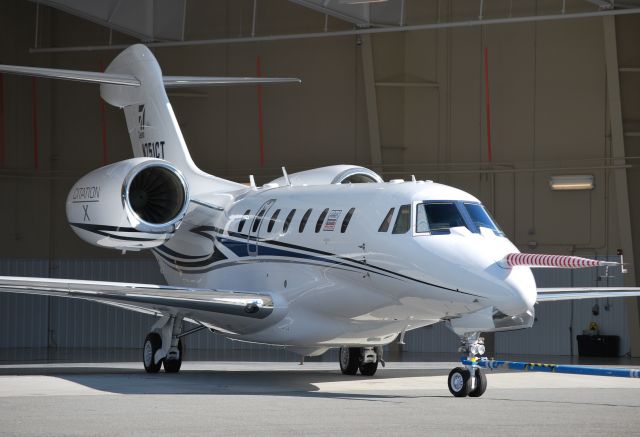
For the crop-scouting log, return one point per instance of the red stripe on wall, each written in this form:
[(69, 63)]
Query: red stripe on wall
[(103, 121), (34, 119), (487, 102), (260, 125), (2, 144)]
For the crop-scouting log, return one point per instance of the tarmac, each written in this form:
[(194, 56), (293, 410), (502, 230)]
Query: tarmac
[(241, 398)]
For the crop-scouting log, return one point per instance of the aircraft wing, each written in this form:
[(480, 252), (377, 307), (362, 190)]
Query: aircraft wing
[(573, 293), (146, 298)]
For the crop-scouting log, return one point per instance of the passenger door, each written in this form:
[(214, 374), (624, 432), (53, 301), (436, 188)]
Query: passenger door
[(256, 224)]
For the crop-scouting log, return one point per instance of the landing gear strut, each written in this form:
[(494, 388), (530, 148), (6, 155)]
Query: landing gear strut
[(365, 359), (163, 346), (469, 380)]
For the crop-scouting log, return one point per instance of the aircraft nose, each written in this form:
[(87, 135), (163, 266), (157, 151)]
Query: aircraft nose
[(523, 293)]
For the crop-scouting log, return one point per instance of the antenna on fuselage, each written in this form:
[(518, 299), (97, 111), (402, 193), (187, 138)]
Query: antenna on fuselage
[(252, 182), (413, 178), (286, 176)]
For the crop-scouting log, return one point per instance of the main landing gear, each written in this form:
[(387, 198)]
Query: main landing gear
[(469, 380), (163, 345), (365, 359)]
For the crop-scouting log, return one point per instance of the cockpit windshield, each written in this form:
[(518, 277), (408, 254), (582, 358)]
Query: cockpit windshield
[(438, 217), (481, 217)]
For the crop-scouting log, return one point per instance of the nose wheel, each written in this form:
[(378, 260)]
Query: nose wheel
[(469, 380)]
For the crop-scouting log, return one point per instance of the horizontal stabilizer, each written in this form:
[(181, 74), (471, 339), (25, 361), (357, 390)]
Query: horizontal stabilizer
[(191, 81), (74, 75), (130, 80), (574, 293)]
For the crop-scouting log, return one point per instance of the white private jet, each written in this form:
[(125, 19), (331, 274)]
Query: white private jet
[(327, 258)]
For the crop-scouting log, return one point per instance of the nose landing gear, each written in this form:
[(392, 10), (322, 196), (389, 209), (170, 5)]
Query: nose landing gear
[(469, 380)]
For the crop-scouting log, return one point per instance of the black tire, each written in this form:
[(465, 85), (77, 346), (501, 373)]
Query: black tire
[(459, 382), (368, 369), (349, 360), (173, 365), (152, 343), (481, 384)]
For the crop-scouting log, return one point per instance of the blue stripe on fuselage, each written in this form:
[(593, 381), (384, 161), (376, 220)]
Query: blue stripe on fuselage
[(241, 250)]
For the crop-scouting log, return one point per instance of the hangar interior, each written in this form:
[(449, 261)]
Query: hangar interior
[(491, 97)]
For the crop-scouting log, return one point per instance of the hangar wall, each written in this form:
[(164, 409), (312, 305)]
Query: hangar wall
[(548, 107)]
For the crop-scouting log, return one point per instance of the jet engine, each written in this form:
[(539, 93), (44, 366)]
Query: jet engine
[(333, 174), (130, 205)]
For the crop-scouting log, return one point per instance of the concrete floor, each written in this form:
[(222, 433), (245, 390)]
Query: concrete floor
[(284, 398)]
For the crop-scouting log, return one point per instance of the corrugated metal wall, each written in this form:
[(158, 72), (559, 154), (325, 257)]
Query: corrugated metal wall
[(38, 321)]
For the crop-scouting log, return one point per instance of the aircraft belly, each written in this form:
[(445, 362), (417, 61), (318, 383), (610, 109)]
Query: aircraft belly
[(331, 306)]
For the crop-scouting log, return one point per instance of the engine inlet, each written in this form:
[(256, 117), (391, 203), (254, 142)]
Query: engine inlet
[(157, 195)]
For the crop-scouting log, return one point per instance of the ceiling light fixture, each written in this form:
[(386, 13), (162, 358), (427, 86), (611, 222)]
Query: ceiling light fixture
[(571, 182)]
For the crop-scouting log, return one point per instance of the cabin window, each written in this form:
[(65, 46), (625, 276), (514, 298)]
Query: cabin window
[(243, 220), (481, 217), (257, 220), (384, 226), (403, 221), (323, 215), (440, 217), (287, 221), (272, 222), (346, 221), (303, 222)]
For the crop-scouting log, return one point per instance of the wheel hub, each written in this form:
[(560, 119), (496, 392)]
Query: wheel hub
[(148, 353), (344, 356), (457, 382)]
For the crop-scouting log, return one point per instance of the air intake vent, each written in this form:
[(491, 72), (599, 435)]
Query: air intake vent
[(157, 195)]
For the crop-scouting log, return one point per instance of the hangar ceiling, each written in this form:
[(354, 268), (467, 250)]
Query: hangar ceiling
[(363, 13), (166, 22), (148, 20)]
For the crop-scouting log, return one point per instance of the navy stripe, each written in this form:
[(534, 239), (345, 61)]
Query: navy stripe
[(215, 257), (175, 254), (241, 250), (237, 247), (91, 227), (100, 230), (293, 246)]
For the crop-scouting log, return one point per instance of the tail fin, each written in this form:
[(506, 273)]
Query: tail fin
[(133, 81), (151, 123)]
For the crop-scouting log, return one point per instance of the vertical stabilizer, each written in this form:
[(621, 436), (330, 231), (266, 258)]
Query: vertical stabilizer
[(151, 123)]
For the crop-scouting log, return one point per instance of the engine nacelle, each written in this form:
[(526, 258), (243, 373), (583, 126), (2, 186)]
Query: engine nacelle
[(333, 174), (130, 205)]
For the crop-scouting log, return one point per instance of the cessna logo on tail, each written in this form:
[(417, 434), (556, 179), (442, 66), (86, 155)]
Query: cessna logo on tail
[(151, 149), (141, 116)]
